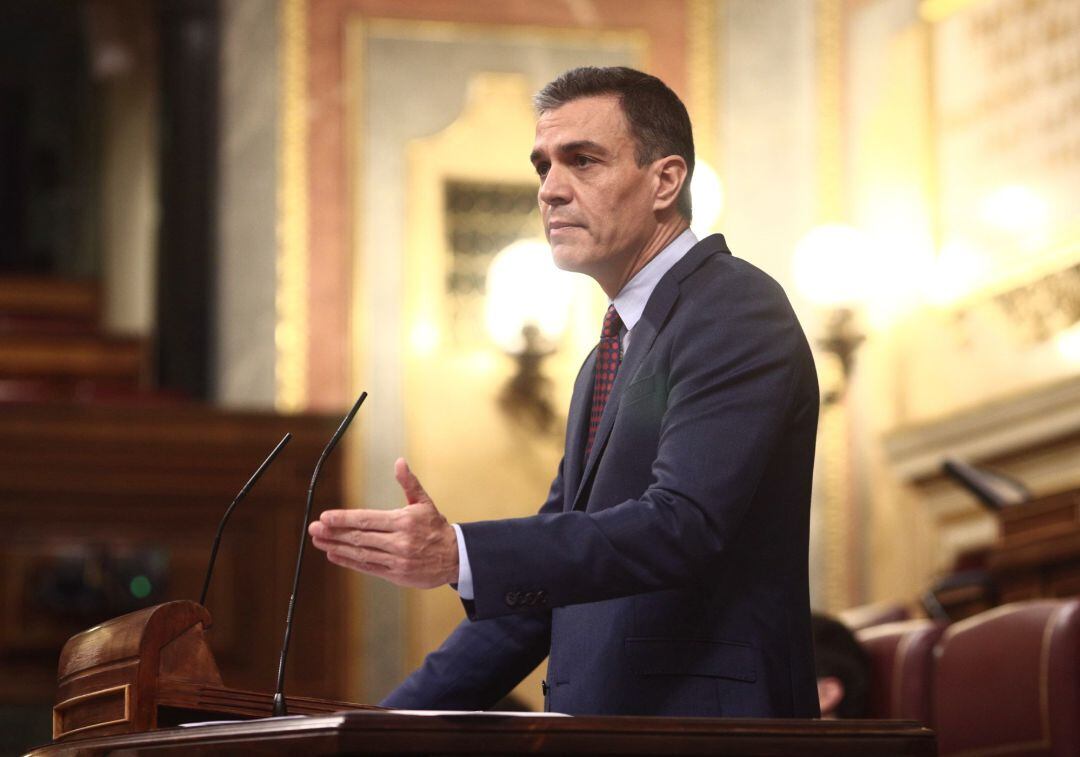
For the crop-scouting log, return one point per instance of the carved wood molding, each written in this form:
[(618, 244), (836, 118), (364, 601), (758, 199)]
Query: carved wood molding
[(996, 431)]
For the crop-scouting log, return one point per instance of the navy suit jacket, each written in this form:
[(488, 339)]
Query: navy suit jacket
[(667, 573)]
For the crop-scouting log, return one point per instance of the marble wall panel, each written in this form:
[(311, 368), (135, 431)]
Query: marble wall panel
[(246, 312)]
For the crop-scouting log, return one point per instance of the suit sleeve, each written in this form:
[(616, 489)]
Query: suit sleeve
[(738, 358), (477, 665), (481, 661)]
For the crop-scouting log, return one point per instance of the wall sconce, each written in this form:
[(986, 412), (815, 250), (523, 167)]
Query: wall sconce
[(831, 267), (526, 314)]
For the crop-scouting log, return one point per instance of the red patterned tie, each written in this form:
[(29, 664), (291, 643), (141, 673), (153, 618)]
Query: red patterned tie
[(608, 357)]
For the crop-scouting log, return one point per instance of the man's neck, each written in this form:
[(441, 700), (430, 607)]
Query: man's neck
[(664, 233)]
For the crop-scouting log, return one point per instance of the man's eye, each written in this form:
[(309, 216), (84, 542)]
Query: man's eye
[(542, 169), (582, 160)]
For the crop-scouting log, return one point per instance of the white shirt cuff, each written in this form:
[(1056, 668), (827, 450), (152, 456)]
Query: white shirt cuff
[(464, 580)]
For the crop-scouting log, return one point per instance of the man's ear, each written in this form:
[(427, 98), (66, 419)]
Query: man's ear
[(670, 177), (830, 691)]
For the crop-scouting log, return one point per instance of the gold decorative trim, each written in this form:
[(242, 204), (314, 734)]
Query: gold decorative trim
[(842, 564), (828, 25), (837, 526), (701, 71), (354, 54), (290, 334), (934, 11), (454, 31)]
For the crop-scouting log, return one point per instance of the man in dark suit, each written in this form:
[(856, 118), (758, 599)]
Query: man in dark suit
[(666, 574)]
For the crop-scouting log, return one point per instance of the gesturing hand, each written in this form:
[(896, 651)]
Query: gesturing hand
[(411, 546)]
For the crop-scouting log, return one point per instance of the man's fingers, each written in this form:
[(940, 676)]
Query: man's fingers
[(352, 537), (361, 564), (414, 492), (336, 551), (365, 520)]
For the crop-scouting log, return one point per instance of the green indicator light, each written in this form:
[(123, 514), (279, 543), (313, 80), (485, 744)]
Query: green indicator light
[(140, 587)]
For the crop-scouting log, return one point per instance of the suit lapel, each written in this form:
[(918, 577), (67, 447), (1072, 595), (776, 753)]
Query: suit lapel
[(661, 301), (577, 427)]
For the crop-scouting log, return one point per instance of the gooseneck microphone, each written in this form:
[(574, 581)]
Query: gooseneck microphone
[(228, 511), (279, 693)]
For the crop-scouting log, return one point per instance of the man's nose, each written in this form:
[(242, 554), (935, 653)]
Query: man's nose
[(555, 187)]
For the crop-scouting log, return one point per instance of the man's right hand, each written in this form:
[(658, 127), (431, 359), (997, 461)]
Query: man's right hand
[(411, 546)]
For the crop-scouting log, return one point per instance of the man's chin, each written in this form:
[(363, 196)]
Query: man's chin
[(567, 257)]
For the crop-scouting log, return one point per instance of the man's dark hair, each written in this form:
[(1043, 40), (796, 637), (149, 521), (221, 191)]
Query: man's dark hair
[(838, 654), (657, 117)]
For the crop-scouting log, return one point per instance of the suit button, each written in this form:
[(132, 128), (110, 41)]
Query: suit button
[(511, 598), (530, 598), (544, 688), (541, 597)]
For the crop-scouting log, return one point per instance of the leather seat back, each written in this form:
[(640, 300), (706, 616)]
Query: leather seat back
[(1007, 681), (901, 662)]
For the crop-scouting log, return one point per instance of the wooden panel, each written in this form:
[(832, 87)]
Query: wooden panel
[(101, 709), (93, 496), (52, 348), (49, 297), (1038, 554), (1050, 515), (1020, 587), (59, 355), (1064, 580)]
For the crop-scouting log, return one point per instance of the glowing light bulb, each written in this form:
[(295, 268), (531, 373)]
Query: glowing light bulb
[(1015, 210), (832, 265), (424, 338), (1068, 344), (707, 195), (957, 272), (525, 288)]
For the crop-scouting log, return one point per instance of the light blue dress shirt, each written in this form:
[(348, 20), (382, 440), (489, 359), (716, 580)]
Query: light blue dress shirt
[(629, 304)]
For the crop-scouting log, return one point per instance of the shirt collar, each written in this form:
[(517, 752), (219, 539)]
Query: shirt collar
[(631, 300)]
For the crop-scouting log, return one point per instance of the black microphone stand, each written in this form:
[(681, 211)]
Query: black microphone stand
[(228, 511), (279, 693)]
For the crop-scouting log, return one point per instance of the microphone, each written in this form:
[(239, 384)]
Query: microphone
[(994, 490), (279, 693), (228, 511)]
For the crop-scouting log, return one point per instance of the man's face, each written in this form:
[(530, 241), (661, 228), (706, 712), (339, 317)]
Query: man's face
[(596, 203)]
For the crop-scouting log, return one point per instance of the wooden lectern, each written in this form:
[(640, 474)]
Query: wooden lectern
[(124, 683), (1038, 552), (151, 669)]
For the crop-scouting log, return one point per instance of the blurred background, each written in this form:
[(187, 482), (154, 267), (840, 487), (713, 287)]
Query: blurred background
[(220, 220)]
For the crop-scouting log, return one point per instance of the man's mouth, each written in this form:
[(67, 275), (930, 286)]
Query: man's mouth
[(561, 225)]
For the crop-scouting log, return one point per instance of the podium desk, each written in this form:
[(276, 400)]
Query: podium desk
[(122, 683), (387, 733), (1038, 552)]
